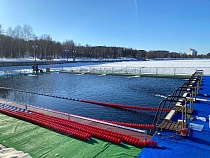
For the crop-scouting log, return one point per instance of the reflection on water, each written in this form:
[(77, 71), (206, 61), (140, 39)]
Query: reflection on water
[(141, 91)]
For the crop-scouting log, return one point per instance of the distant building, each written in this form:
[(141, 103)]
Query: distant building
[(192, 52)]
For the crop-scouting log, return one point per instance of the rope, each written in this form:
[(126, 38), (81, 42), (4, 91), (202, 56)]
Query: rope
[(96, 103)]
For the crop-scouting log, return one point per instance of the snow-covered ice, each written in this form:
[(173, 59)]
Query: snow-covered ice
[(151, 66), (130, 66)]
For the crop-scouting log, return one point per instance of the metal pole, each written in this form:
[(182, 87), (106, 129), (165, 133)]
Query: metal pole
[(145, 135)]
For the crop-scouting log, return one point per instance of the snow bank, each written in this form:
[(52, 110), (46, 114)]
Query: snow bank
[(12, 153)]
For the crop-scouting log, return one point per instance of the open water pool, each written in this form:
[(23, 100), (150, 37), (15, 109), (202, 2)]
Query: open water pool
[(139, 91)]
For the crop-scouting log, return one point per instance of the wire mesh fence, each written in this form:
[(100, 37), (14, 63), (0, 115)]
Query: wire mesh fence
[(117, 70), (138, 70)]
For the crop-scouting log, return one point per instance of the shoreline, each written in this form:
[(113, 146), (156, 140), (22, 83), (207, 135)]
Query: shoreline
[(49, 62)]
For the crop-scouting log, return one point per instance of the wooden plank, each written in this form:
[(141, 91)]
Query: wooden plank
[(168, 125), (176, 126), (179, 109), (163, 124), (172, 126)]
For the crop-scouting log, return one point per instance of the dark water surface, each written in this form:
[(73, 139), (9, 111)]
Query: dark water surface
[(141, 91)]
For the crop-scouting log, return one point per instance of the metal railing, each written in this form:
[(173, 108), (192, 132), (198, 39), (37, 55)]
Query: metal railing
[(137, 70), (15, 72), (189, 87), (118, 70)]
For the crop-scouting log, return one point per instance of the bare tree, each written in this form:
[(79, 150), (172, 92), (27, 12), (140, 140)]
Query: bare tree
[(11, 36), (18, 33), (27, 35), (57, 50), (68, 46), (45, 44), (1, 40)]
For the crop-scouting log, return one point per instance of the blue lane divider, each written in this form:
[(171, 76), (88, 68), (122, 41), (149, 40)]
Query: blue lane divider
[(54, 96), (13, 108)]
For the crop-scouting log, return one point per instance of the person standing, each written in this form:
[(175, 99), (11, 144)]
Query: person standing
[(37, 69), (33, 68)]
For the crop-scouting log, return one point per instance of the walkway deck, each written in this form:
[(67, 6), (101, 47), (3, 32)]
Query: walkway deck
[(179, 109), (197, 143), (84, 120), (170, 125)]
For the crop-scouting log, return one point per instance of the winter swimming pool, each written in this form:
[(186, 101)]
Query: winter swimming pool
[(142, 91)]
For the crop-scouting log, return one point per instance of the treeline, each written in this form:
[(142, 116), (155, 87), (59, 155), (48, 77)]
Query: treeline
[(21, 42)]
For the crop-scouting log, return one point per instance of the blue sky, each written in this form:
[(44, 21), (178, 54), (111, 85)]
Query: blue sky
[(173, 25)]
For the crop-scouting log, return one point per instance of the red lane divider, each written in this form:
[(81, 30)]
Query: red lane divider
[(75, 129), (99, 133), (52, 126), (96, 132), (126, 106), (133, 125), (60, 128)]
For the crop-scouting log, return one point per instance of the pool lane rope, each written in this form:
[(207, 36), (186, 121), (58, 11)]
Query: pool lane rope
[(121, 106), (126, 106), (132, 125)]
